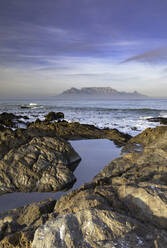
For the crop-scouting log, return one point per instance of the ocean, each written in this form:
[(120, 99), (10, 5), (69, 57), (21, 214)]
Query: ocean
[(129, 116)]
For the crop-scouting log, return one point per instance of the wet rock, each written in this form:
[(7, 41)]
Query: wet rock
[(7, 119), (52, 116), (76, 130), (134, 128), (43, 164), (161, 120), (10, 120)]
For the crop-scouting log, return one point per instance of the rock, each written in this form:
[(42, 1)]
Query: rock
[(7, 119), (124, 206), (12, 139), (76, 130), (146, 166), (134, 128), (43, 164), (97, 228), (2, 128), (52, 116), (150, 136), (161, 120), (20, 224), (146, 202), (10, 120)]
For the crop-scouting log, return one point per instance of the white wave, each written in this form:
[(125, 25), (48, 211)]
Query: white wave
[(33, 104)]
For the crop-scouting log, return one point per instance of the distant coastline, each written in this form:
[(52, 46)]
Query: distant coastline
[(99, 93)]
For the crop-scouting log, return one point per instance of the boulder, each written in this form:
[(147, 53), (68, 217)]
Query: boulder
[(52, 116), (10, 120), (161, 120), (43, 164)]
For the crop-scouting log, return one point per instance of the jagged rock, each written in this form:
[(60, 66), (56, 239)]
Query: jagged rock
[(146, 202), (43, 164), (150, 136), (161, 120), (17, 226), (9, 119), (76, 130), (52, 116), (97, 228), (12, 139)]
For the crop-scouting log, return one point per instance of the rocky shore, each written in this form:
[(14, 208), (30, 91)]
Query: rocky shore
[(125, 206)]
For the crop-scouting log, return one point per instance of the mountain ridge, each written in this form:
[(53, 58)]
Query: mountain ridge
[(100, 92)]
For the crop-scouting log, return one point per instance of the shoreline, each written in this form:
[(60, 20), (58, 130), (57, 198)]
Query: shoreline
[(129, 192)]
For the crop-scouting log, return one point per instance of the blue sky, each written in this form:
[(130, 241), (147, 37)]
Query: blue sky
[(49, 46)]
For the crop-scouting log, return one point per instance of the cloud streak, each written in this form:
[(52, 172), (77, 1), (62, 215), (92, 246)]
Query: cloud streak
[(157, 55)]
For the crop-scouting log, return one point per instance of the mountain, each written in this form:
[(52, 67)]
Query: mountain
[(99, 93)]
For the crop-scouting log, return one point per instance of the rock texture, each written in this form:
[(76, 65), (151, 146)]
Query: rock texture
[(97, 228), (76, 130), (43, 164), (17, 226)]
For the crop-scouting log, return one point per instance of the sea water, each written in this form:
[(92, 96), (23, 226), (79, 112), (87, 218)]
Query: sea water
[(129, 116)]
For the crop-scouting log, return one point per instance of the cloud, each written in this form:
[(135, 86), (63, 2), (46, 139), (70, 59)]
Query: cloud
[(156, 55)]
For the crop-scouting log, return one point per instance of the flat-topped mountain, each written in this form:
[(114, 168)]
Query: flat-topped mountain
[(100, 92)]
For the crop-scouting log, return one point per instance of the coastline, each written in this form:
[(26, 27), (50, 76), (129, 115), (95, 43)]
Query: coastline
[(127, 192)]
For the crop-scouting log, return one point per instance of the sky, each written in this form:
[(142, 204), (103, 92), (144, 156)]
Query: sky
[(48, 46)]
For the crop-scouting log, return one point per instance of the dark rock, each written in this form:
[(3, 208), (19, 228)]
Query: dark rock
[(2, 128), (37, 121), (10, 120), (134, 128), (7, 119), (161, 120), (76, 130), (52, 116)]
